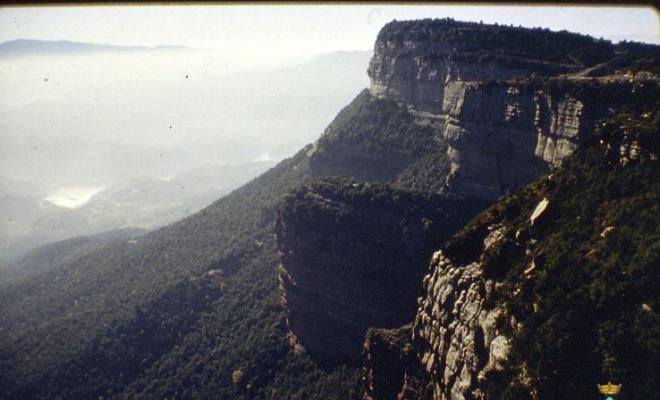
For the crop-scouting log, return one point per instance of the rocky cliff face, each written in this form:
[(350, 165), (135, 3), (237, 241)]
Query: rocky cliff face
[(387, 354), (504, 303), (353, 256), (348, 264), (536, 298), (460, 327), (416, 73), (500, 135)]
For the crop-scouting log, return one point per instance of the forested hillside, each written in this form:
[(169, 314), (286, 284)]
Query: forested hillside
[(192, 309)]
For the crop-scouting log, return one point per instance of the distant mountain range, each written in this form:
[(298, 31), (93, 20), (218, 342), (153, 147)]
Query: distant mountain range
[(25, 47)]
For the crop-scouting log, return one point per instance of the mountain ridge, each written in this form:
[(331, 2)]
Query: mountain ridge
[(22, 47), (193, 310)]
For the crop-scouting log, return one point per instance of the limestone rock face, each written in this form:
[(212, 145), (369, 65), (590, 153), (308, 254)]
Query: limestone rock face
[(502, 134), (486, 302), (459, 331), (352, 258), (501, 137), (416, 72), (461, 335)]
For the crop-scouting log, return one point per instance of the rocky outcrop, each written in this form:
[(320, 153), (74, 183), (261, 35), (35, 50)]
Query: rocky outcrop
[(386, 355), (525, 301), (501, 132), (461, 338), (461, 329), (353, 257), (502, 136), (416, 73)]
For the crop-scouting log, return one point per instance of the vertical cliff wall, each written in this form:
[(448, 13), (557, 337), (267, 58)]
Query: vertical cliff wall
[(353, 256), (502, 136), (514, 306), (543, 295), (504, 106), (460, 328), (501, 133)]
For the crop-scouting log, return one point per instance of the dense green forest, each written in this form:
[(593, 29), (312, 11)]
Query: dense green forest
[(57, 325), (478, 39), (544, 51), (379, 140), (50, 256)]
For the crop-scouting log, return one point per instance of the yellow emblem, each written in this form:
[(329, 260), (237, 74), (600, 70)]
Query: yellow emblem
[(609, 389)]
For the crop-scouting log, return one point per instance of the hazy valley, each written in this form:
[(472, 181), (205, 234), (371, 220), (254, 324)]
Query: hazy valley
[(167, 156)]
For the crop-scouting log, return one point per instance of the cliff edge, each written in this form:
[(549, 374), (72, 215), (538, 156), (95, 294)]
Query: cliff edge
[(551, 290), (501, 96)]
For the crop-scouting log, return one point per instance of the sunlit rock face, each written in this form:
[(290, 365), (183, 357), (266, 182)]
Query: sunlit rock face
[(486, 304), (501, 132), (506, 122), (417, 72), (501, 137), (460, 330)]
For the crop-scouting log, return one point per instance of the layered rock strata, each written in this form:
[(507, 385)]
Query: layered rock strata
[(499, 288), (353, 256), (341, 274), (460, 329), (501, 134), (501, 137), (460, 340)]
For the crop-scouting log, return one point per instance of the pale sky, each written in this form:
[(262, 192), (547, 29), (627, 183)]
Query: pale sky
[(295, 30)]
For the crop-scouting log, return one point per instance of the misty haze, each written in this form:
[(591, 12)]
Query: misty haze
[(96, 137)]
